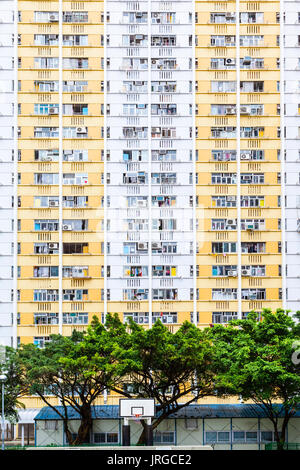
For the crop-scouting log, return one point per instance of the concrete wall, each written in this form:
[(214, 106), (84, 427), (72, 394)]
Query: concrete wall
[(187, 433)]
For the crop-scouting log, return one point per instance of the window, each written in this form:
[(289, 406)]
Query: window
[(46, 178), (75, 16), (45, 295), (223, 87), (223, 317), (46, 318), (75, 318), (253, 294), (46, 62), (245, 436), (50, 425), (267, 436), (46, 225), (41, 341), (138, 317), (165, 317), (212, 437), (106, 437), (45, 271), (164, 437)]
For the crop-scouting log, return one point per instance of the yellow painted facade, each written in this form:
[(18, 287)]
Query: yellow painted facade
[(38, 92), (32, 93)]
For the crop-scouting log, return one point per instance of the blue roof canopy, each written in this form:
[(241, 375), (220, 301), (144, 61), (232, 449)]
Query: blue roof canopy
[(190, 411)]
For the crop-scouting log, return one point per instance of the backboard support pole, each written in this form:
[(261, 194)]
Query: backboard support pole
[(126, 433)]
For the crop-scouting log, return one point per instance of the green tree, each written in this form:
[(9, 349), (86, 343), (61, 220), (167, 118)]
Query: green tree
[(173, 368), (254, 359), (14, 389), (75, 370)]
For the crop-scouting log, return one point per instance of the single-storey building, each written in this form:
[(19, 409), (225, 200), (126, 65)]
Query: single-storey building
[(226, 427)]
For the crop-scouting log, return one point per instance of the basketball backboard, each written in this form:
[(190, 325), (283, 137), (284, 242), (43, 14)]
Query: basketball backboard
[(136, 407)]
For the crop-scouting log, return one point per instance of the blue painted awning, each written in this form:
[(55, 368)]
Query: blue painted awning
[(190, 411)]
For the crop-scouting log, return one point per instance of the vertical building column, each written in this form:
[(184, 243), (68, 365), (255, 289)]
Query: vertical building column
[(105, 237), (8, 172), (194, 243), (60, 165), (16, 159), (283, 152), (149, 101), (238, 161)]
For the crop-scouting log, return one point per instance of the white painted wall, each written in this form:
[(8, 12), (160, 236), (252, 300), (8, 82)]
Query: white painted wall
[(6, 170)]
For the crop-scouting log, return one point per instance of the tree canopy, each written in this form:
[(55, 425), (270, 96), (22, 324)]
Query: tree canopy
[(254, 359), (173, 368), (9, 366), (75, 370)]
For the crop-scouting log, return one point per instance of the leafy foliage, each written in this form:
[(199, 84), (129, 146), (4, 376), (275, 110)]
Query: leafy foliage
[(13, 385), (253, 358), (75, 370), (173, 368)]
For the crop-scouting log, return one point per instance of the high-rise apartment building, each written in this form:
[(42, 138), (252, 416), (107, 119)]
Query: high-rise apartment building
[(149, 162)]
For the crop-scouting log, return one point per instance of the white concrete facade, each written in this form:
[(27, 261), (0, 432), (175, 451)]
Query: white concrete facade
[(291, 67), (150, 139), (8, 158)]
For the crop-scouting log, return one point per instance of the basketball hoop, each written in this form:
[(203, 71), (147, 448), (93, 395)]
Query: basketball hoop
[(136, 409)]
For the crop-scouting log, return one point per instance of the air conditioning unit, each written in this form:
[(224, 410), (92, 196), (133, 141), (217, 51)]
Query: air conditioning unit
[(142, 246), (46, 158), (53, 18), (81, 130), (67, 227), (230, 110), (156, 245), (53, 203), (53, 246), (230, 198), (245, 110), (53, 110), (229, 39), (142, 203), (250, 227), (245, 156), (230, 222), (246, 272), (232, 273)]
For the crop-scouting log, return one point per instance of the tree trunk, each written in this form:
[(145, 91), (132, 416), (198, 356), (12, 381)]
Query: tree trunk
[(68, 433), (142, 438), (280, 440), (85, 426), (283, 432)]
